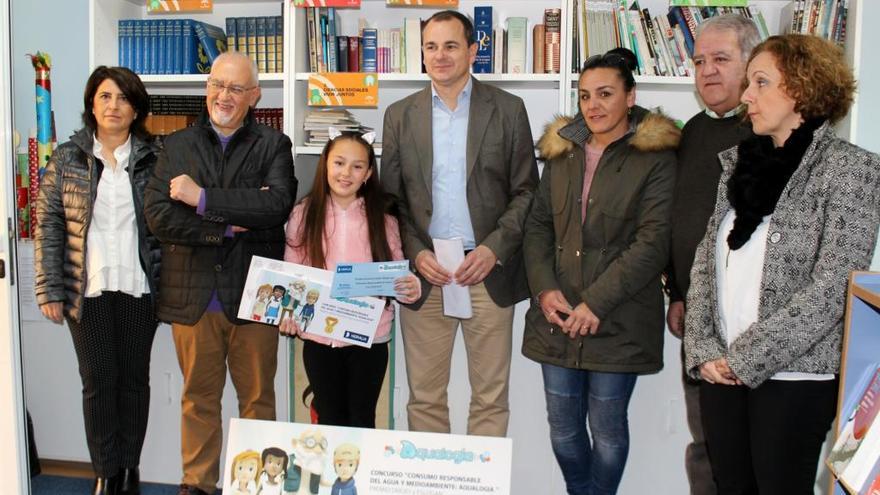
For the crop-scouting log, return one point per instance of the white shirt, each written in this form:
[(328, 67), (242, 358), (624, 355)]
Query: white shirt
[(738, 277), (112, 259)]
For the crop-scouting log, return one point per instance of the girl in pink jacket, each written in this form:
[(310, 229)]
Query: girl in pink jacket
[(344, 219)]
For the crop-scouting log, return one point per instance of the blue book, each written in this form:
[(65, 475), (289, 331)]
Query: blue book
[(270, 45), (162, 47), (332, 65), (676, 17), (369, 49), (212, 39), (483, 37), (262, 65), (279, 43), (124, 38), (252, 38), (137, 37), (189, 47), (231, 41), (175, 46), (241, 34), (325, 57), (152, 47)]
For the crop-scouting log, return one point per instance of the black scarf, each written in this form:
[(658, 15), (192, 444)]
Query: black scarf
[(762, 172)]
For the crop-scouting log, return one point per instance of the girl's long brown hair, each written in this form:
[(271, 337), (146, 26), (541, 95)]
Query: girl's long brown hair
[(312, 235)]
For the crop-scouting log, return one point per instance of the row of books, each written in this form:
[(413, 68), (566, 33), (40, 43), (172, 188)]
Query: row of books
[(170, 113), (499, 49), (317, 123), (855, 457), (663, 44), (172, 46), (825, 18), (261, 38), (371, 50)]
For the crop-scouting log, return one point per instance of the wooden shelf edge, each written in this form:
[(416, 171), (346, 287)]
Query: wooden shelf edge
[(866, 295)]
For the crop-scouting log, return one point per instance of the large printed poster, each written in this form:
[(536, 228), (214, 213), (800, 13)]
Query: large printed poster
[(269, 457)]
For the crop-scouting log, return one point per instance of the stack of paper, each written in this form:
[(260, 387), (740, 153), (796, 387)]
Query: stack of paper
[(317, 123)]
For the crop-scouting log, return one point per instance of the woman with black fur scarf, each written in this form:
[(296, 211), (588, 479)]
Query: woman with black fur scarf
[(797, 210)]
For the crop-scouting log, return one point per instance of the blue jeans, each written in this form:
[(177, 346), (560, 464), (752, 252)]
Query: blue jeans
[(573, 396)]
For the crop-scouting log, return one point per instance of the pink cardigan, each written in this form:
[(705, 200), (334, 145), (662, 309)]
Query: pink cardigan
[(346, 240)]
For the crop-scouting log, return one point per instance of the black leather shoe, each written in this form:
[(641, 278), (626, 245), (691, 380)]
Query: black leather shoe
[(106, 486), (129, 482), (190, 490)]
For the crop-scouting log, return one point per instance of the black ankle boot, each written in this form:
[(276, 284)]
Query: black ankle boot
[(129, 481), (106, 486)]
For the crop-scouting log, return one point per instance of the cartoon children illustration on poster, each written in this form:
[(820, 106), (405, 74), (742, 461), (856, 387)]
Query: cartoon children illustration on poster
[(308, 309), (291, 299), (259, 310), (274, 471), (245, 467), (274, 305), (346, 459)]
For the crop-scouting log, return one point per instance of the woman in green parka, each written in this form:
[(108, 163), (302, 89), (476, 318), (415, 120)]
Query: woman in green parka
[(596, 241)]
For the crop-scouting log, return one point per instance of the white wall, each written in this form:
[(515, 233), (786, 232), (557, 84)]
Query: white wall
[(867, 124)]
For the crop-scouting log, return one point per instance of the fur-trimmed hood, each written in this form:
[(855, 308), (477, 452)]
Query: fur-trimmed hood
[(649, 131)]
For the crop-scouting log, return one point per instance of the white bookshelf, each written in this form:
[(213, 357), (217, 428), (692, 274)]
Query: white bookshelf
[(103, 45), (545, 94)]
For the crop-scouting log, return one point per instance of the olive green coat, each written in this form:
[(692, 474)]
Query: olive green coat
[(612, 261)]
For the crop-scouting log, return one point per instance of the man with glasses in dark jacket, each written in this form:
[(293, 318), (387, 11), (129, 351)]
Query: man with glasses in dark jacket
[(221, 193)]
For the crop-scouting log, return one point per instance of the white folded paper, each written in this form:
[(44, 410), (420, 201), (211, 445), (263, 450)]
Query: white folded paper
[(456, 298)]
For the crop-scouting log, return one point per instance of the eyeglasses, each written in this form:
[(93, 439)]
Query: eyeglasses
[(233, 89), (311, 442)]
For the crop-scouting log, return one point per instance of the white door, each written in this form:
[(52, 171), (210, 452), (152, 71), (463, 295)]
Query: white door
[(13, 455)]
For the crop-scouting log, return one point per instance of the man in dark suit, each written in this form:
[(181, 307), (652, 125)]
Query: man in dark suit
[(458, 158)]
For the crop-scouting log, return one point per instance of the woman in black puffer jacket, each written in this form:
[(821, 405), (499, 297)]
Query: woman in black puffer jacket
[(97, 265)]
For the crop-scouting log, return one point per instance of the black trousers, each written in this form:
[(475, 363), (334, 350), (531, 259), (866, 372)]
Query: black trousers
[(346, 382), (113, 341), (767, 440)]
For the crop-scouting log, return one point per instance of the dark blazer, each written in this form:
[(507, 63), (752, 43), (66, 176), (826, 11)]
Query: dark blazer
[(197, 257), (501, 178)]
